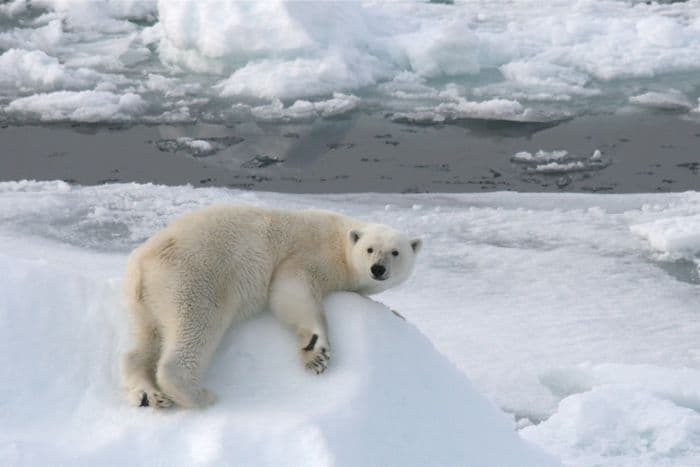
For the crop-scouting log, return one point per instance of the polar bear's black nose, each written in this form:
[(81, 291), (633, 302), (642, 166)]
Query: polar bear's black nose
[(377, 270)]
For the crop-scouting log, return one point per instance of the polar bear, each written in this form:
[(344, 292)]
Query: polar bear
[(208, 269)]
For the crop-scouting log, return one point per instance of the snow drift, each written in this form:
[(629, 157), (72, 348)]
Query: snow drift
[(577, 314), (388, 398)]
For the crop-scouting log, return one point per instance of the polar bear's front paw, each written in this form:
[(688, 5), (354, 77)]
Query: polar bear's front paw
[(316, 360), (150, 398)]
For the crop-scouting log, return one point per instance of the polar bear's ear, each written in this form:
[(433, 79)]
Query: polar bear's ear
[(416, 244), (355, 235)]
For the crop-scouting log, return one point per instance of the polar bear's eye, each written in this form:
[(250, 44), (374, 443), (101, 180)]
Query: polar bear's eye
[(395, 253), (370, 250)]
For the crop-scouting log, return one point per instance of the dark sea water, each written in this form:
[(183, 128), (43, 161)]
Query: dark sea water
[(639, 152)]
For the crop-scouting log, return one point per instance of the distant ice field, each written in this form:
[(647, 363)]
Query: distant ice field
[(226, 61), (576, 314)]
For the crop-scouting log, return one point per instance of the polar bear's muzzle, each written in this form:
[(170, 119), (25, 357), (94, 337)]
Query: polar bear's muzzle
[(379, 272)]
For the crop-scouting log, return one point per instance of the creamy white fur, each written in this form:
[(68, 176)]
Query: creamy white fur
[(189, 282)]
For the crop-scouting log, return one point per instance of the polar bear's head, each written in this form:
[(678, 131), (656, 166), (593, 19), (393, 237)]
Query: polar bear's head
[(381, 257)]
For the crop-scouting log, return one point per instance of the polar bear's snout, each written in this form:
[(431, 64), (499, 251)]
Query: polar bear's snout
[(379, 272)]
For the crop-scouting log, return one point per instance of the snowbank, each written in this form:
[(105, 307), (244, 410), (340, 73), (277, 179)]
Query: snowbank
[(551, 304), (388, 398), (646, 412)]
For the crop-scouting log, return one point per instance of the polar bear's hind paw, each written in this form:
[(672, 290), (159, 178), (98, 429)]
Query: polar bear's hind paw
[(155, 399)]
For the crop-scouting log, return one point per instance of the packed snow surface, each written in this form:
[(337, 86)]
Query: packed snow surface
[(222, 60), (389, 397), (575, 314)]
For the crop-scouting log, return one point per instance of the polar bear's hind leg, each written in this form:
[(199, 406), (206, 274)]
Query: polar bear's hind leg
[(139, 364), (187, 349)]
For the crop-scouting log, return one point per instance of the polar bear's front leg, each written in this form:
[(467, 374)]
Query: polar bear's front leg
[(294, 302)]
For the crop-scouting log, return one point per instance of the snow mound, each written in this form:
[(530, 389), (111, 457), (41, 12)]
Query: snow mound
[(648, 412), (675, 237), (388, 398)]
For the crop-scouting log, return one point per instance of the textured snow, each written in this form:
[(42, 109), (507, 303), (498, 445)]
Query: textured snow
[(388, 398), (557, 307), (676, 236), (623, 415), (520, 60)]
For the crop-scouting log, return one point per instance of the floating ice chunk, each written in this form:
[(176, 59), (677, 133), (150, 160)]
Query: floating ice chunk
[(109, 14), (338, 105), (159, 83), (261, 161), (493, 109), (558, 162), (522, 156), (197, 147), (82, 106), (221, 29), (442, 50), (540, 156), (662, 31), (548, 57), (554, 78), (671, 100), (25, 70), (302, 77), (674, 236), (13, 8), (556, 167), (179, 115)]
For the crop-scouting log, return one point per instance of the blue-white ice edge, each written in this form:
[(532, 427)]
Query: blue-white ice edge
[(564, 310)]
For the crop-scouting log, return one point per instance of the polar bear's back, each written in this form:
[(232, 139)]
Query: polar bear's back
[(266, 233), (228, 254)]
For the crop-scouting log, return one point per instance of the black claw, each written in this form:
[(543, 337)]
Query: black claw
[(144, 400), (312, 343)]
